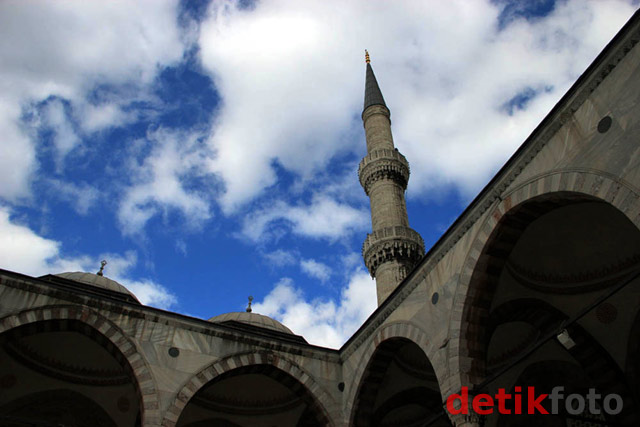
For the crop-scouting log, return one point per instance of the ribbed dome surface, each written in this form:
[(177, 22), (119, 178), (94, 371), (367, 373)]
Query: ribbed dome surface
[(95, 280), (254, 319)]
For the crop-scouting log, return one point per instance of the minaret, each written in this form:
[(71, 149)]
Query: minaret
[(392, 249)]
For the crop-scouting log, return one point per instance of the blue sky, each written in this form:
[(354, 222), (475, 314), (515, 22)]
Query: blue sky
[(208, 150)]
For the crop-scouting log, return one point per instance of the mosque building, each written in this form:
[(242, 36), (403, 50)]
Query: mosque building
[(536, 284)]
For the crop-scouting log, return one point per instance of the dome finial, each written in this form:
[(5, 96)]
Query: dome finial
[(102, 264), (366, 56), (249, 306)]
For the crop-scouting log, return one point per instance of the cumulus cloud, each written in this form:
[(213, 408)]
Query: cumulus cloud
[(94, 118), (54, 118), (82, 196), (160, 182), (23, 250), (280, 257), (315, 269), (323, 218), (464, 90), (17, 154), (321, 321), (63, 50)]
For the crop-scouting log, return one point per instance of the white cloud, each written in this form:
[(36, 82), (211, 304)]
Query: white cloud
[(63, 50), (94, 118), (351, 260), (149, 292), (17, 154), (323, 218), (321, 322), (159, 183), (181, 247), (315, 269), (54, 117), (285, 72), (280, 257), (24, 251), (82, 196)]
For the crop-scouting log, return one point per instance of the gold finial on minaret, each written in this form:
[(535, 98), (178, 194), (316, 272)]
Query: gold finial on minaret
[(366, 56), (249, 306)]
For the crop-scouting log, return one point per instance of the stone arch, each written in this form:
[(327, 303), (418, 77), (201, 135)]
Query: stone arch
[(553, 189), (322, 400), (404, 330), (590, 356), (145, 385)]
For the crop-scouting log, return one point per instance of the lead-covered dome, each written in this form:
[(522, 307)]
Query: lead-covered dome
[(95, 280), (253, 319)]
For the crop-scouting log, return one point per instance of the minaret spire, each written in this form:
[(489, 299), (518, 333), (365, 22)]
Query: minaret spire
[(372, 93), (392, 250)]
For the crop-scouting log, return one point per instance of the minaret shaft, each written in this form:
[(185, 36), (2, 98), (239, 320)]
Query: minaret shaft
[(377, 128), (388, 207), (393, 248)]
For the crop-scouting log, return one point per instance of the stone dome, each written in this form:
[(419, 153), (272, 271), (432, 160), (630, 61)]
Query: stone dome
[(253, 319), (97, 281)]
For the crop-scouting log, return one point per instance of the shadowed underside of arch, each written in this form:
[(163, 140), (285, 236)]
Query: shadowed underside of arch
[(561, 249), (60, 407), (74, 352), (497, 237), (489, 267), (252, 389), (596, 366), (398, 387)]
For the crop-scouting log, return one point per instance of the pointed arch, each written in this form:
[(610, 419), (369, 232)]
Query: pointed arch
[(390, 331), (321, 400), (126, 353), (552, 190)]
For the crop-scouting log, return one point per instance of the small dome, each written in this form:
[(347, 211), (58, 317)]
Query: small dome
[(254, 319), (96, 280)]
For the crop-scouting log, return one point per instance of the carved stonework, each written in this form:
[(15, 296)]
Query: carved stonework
[(383, 164), (575, 282), (392, 244)]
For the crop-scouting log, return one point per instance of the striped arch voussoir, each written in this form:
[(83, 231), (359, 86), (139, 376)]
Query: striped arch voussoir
[(146, 387), (405, 330), (322, 401), (468, 311)]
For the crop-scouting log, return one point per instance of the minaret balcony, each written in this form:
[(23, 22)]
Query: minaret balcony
[(396, 243), (383, 164)]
